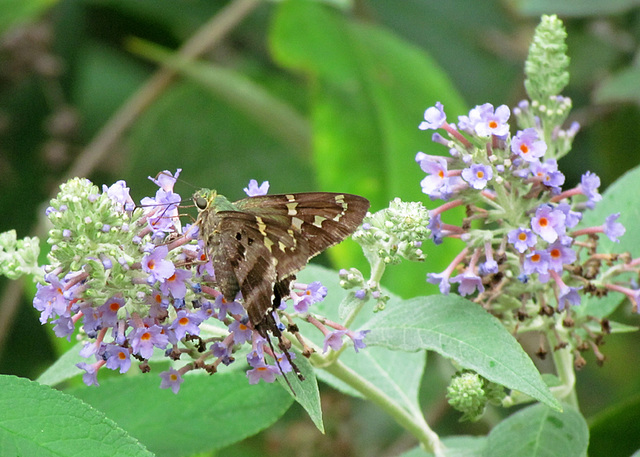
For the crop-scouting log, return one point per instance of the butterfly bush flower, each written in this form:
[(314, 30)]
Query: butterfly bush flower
[(310, 294), (171, 379), (527, 145), (253, 190), (140, 285), (487, 122), (155, 264), (434, 117), (477, 175), (526, 259)]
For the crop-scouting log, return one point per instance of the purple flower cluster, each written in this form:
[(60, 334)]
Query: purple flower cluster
[(138, 283), (511, 183)]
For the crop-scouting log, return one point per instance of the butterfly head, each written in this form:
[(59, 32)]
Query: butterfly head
[(203, 198)]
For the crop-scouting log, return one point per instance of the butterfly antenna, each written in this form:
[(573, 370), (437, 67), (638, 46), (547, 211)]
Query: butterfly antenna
[(177, 179)]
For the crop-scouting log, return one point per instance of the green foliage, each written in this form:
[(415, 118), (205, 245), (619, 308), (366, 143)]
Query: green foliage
[(464, 332), (368, 91), (310, 97), (608, 437), (214, 412), (38, 420), (539, 431), (17, 12)]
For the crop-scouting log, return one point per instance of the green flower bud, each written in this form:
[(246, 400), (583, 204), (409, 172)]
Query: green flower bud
[(466, 394)]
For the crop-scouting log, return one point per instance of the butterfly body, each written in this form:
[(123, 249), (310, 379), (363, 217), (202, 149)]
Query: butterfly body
[(257, 244)]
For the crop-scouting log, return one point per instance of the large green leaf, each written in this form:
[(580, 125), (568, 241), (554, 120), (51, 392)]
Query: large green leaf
[(369, 92), (462, 331), (538, 431), (209, 412), (39, 421)]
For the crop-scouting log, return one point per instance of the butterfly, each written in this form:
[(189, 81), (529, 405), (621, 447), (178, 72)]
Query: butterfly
[(257, 244)]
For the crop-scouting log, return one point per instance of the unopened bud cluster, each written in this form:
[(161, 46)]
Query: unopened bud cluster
[(470, 393), (19, 256), (395, 233)]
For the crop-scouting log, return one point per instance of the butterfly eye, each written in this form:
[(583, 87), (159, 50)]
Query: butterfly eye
[(200, 202)]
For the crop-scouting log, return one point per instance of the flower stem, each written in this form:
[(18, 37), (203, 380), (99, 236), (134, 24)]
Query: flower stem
[(412, 420), (563, 361)]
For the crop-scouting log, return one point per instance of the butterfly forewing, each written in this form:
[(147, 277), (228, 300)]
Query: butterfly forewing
[(265, 240)]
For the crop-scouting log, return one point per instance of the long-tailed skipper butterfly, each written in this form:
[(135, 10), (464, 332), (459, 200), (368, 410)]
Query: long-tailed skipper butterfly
[(257, 244)]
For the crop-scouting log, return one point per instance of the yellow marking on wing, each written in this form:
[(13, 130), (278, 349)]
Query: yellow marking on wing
[(340, 201), (261, 226), (297, 223), (291, 208), (318, 220), (293, 238)]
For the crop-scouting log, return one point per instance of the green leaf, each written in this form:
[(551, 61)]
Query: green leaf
[(275, 116), (616, 199), (39, 421), (305, 392), (209, 412), (218, 146), (463, 331), (64, 367), (538, 431), (397, 374), (369, 91), (620, 87)]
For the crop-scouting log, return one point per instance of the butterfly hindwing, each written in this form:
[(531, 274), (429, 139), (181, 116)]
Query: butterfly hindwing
[(240, 264)]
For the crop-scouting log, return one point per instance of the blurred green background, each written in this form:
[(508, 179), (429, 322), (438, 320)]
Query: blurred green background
[(310, 96)]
